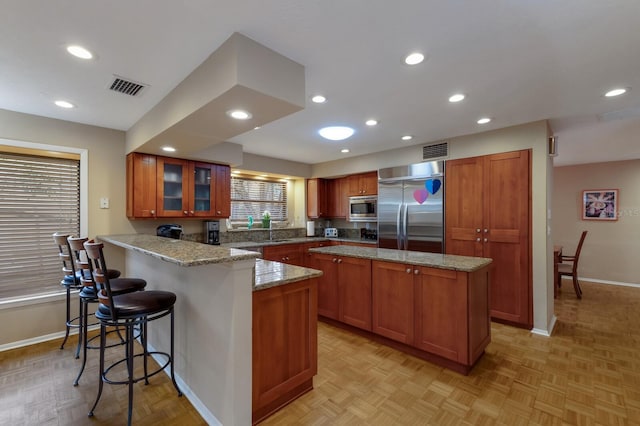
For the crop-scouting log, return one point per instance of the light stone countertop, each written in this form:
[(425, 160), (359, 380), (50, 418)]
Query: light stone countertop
[(433, 260), (186, 253), (180, 252), (270, 274)]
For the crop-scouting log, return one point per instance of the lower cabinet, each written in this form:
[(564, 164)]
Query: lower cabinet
[(393, 300), (285, 345), (287, 253), (344, 290)]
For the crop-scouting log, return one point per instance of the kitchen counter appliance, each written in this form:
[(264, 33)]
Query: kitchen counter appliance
[(169, 231), (212, 232), (411, 207), (331, 232), (363, 208)]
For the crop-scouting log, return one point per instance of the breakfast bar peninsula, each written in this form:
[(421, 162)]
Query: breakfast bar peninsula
[(232, 310)]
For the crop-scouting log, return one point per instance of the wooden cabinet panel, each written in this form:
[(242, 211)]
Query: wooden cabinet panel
[(363, 184), (316, 198), (327, 284), (441, 313), (337, 203), (354, 282), (393, 300), (141, 185), (488, 214), (284, 345), (221, 186), (287, 253)]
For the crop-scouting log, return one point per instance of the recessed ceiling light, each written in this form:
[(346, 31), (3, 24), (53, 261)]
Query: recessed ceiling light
[(407, 137), (319, 99), (64, 104), (336, 133), (484, 120), (239, 114), (79, 52), (414, 58), (371, 122), (168, 149), (344, 150), (615, 92), (456, 98)]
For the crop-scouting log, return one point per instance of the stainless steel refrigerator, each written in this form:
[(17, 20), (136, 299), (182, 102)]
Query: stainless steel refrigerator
[(411, 207)]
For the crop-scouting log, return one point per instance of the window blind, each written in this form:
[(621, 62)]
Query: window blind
[(252, 197), (38, 196)]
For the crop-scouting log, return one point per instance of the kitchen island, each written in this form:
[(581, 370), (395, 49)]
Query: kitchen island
[(216, 290), (433, 306)]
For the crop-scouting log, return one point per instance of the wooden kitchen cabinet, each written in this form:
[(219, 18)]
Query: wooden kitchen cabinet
[(316, 198), (171, 187), (344, 290), (392, 286), (363, 184), (284, 345), (488, 214), (286, 253), (141, 185), (337, 197)]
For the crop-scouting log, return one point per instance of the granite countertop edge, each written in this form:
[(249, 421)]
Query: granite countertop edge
[(271, 274), (179, 252), (433, 260)]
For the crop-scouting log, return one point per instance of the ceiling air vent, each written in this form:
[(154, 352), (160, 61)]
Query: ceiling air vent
[(127, 87), (438, 150)]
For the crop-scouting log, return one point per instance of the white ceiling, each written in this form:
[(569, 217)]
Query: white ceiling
[(517, 62)]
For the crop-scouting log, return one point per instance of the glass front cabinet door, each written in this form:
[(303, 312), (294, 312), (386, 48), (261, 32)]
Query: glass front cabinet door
[(172, 187)]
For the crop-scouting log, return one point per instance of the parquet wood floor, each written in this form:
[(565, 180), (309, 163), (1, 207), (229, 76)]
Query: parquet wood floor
[(587, 373)]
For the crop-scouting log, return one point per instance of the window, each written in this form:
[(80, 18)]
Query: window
[(38, 196), (251, 197)]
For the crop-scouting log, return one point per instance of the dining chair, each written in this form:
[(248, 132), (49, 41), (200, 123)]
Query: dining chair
[(570, 269)]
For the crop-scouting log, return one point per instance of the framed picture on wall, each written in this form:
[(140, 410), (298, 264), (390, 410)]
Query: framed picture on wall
[(600, 204)]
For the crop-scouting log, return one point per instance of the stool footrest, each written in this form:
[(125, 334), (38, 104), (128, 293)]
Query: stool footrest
[(136, 379)]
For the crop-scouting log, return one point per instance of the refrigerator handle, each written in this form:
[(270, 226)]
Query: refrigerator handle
[(399, 236), (405, 236)]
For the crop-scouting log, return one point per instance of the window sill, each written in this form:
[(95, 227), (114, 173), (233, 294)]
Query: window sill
[(36, 299)]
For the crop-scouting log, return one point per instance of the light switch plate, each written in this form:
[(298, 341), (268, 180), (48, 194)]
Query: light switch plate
[(104, 203)]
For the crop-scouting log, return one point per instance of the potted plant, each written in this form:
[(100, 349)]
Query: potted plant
[(266, 220)]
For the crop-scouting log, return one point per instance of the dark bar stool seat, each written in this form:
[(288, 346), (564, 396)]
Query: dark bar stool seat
[(71, 282), (88, 295), (128, 311)]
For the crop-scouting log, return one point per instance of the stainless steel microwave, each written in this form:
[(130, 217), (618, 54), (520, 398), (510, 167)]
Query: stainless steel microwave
[(363, 209)]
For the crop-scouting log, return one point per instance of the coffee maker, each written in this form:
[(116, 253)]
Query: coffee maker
[(212, 232)]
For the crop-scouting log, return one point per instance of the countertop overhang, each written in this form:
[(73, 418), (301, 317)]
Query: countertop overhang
[(417, 258)]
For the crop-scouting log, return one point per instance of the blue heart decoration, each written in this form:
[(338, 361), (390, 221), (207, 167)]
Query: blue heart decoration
[(432, 185)]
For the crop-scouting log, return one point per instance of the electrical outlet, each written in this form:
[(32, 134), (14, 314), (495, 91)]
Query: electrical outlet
[(104, 203)]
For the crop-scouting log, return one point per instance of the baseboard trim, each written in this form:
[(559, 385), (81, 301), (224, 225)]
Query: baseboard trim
[(42, 339), (543, 332), (607, 282)]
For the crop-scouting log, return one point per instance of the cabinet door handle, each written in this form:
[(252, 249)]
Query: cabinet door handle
[(219, 212), (153, 212), (408, 270), (339, 260), (486, 239), (478, 230), (191, 212), (478, 239), (185, 212), (334, 260), (486, 230), (416, 271)]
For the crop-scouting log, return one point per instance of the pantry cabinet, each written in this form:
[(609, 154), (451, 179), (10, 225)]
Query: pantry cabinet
[(175, 188), (488, 214)]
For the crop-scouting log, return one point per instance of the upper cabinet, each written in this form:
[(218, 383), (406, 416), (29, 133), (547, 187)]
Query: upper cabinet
[(171, 187), (316, 198), (363, 184), (337, 198)]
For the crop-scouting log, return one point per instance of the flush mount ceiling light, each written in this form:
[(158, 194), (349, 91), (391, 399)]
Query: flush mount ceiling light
[(456, 98), (64, 104), (79, 52), (484, 120), (344, 150), (168, 149), (615, 92), (407, 137), (371, 122), (318, 99), (336, 133), (239, 114), (414, 58)]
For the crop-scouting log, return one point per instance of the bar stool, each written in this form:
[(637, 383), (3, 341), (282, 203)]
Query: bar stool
[(71, 281), (88, 295), (128, 311)]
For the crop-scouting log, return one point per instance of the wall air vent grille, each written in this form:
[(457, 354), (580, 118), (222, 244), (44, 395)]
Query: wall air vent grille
[(127, 87), (438, 150)]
